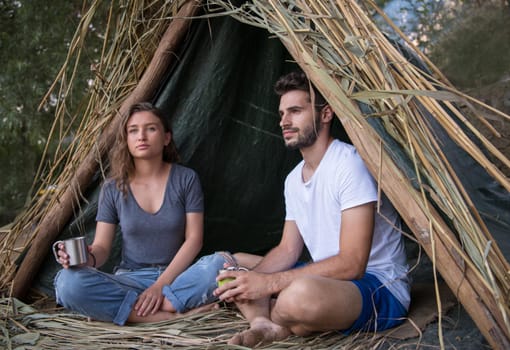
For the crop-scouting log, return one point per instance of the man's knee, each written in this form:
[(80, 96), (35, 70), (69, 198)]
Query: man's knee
[(296, 302), (304, 288)]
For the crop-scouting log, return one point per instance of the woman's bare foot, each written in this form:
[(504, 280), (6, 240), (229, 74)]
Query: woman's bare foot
[(262, 331), (200, 309)]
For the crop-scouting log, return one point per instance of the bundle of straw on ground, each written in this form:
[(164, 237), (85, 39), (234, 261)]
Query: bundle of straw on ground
[(38, 327), (351, 62)]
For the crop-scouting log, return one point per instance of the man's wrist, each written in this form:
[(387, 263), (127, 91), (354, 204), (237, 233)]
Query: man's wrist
[(277, 281)]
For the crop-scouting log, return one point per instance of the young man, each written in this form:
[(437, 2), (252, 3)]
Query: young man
[(358, 277)]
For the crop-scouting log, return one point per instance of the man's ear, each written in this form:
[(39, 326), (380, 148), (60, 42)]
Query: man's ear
[(327, 114)]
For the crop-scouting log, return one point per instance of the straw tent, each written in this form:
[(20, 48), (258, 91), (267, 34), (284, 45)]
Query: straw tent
[(211, 65)]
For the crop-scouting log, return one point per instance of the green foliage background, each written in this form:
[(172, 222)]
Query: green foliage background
[(34, 39), (475, 50), (469, 40)]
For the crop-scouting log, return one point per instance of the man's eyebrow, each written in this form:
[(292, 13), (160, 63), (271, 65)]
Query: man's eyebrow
[(291, 107)]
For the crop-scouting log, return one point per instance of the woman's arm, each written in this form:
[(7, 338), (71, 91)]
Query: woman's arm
[(99, 250), (193, 239), (102, 245), (150, 300)]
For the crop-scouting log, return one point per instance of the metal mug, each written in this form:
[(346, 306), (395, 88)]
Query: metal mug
[(76, 248)]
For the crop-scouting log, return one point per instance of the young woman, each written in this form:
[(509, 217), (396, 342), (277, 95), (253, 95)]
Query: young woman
[(158, 205)]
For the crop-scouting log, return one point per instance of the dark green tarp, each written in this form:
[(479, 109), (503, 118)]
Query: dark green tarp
[(225, 120)]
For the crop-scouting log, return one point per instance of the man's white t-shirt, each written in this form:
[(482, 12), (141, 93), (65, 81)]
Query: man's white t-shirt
[(342, 181)]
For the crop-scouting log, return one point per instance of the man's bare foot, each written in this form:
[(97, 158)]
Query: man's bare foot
[(262, 331)]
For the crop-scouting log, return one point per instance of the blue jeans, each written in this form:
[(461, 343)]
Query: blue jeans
[(111, 297)]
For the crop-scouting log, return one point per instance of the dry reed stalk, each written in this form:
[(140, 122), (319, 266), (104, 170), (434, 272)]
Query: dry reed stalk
[(130, 41), (343, 49)]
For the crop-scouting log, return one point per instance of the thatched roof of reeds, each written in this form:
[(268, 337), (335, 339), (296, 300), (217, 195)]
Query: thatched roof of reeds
[(378, 95)]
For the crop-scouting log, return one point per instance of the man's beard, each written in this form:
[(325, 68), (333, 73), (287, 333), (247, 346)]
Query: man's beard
[(307, 138)]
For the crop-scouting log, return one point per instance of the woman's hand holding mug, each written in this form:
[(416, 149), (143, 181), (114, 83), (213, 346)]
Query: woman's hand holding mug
[(71, 252)]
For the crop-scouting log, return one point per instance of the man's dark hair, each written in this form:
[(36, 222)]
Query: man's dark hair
[(298, 81)]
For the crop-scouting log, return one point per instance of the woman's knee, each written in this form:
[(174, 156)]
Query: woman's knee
[(70, 286), (194, 287), (208, 266)]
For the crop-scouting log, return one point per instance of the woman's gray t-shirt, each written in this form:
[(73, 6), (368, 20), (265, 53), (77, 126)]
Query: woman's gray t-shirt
[(152, 239)]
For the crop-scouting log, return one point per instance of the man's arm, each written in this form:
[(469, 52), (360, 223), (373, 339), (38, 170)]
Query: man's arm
[(285, 255), (350, 263), (282, 257), (356, 234)]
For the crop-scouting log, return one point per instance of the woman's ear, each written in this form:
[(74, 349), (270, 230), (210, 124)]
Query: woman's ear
[(168, 138)]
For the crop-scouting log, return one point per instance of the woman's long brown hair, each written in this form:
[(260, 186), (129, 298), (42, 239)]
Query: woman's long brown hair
[(122, 165)]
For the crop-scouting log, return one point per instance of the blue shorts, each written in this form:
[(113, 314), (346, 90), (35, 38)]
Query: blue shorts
[(380, 309), (111, 297)]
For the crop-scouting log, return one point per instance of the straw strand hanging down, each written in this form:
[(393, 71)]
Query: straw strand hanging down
[(137, 32), (340, 40)]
